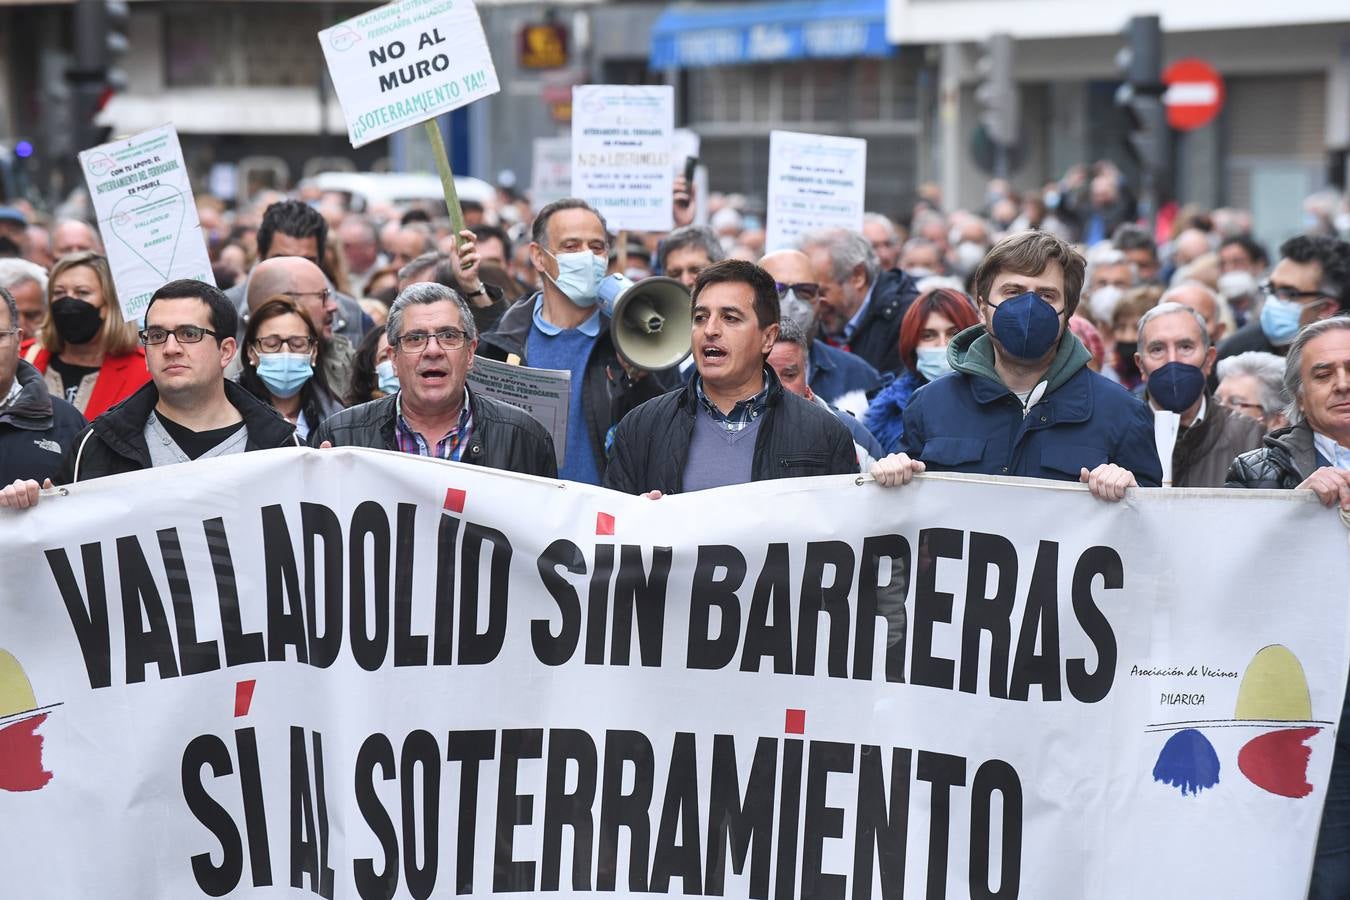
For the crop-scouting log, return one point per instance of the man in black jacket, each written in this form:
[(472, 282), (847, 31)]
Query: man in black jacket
[(188, 411), (560, 328), (432, 335), (35, 427), (860, 306), (733, 422)]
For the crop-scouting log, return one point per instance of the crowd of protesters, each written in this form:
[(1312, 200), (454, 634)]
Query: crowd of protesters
[(1044, 335)]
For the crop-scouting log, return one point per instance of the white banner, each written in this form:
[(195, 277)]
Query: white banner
[(815, 181), (362, 674), (623, 153), (407, 62), (142, 197), (551, 172)]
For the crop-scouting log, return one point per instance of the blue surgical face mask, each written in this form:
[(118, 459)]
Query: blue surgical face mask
[(933, 362), (384, 370), (1176, 386), (285, 373), (1279, 319), (1026, 326), (579, 275)]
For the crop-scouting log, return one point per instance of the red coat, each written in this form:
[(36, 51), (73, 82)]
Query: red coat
[(118, 378)]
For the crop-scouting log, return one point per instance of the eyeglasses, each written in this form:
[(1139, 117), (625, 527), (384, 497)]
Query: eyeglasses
[(807, 290), (1289, 295), (186, 334), (323, 295), (448, 338), (297, 343), (1238, 403), (7, 334)]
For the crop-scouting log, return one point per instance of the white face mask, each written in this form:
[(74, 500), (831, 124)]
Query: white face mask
[(579, 275), (933, 362), (388, 378), (798, 310), (1103, 302)]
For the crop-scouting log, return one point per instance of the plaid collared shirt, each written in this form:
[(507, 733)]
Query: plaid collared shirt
[(451, 446), (743, 414)]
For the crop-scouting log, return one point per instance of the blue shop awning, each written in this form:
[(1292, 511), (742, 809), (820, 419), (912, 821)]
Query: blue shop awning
[(687, 36)]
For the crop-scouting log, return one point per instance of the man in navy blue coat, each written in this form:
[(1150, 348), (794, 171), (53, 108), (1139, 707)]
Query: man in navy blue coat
[(1021, 399)]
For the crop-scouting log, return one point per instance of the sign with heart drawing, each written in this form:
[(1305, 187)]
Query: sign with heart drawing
[(142, 197)]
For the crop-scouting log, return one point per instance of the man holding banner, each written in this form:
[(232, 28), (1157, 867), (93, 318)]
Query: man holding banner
[(734, 422), (433, 338), (560, 328), (188, 411), (1022, 400)]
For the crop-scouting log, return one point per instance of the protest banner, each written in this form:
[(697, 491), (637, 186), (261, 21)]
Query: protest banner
[(545, 394), (142, 197), (623, 153), (406, 63), (364, 674), (551, 172), (815, 181)]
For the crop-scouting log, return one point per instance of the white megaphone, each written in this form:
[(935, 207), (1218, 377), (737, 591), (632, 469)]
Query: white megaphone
[(651, 320)]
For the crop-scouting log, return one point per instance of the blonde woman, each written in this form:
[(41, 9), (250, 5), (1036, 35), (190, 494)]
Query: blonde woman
[(88, 355)]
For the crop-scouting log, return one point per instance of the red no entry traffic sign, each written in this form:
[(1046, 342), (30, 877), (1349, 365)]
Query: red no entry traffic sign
[(1194, 94)]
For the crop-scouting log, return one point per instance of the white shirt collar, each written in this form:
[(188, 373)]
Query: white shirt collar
[(1338, 456)]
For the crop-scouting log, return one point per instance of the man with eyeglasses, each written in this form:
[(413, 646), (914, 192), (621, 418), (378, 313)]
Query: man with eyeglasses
[(188, 411), (1311, 282), (291, 228), (36, 428), (560, 327), (687, 251), (839, 378), (434, 413)]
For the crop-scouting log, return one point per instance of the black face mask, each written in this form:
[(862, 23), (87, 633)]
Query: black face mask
[(76, 321), (1125, 364)]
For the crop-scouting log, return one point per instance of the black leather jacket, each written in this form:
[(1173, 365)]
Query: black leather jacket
[(503, 437), (1285, 462), (796, 438)]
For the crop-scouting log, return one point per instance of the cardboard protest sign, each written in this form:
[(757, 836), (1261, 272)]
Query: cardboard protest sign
[(815, 181), (545, 394), (142, 197), (623, 153), (358, 673), (407, 62), (551, 177)]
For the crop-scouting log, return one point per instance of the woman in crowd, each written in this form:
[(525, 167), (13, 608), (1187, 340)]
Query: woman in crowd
[(373, 373), (88, 354), (930, 324), (283, 365)]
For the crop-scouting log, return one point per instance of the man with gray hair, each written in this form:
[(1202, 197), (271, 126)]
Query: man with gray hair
[(1176, 357), (1314, 454), (27, 284), (1252, 384), (1109, 275), (884, 237), (860, 307), (434, 413), (687, 251), (1204, 300)]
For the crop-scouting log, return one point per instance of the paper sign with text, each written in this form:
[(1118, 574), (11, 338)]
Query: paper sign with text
[(142, 196), (545, 394), (551, 173), (407, 62), (357, 673), (623, 153), (815, 181)]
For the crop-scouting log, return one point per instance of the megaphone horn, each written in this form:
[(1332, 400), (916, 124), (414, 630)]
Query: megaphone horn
[(650, 320)]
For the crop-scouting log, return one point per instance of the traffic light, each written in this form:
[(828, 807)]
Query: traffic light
[(996, 96), (100, 28), (1140, 95)]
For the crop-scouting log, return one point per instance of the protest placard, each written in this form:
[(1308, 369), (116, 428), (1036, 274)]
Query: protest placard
[(142, 197), (623, 153), (815, 181), (407, 62), (364, 673), (543, 393), (551, 173)]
